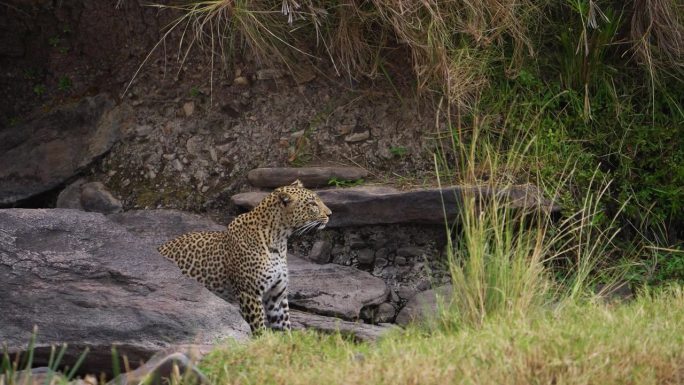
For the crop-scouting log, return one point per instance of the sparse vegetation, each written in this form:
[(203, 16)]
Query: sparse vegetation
[(64, 83), (39, 89), (344, 183)]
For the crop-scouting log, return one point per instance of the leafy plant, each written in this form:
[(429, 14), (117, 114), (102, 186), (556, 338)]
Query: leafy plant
[(54, 41), (65, 83), (344, 182), (39, 89), (399, 151), (195, 92)]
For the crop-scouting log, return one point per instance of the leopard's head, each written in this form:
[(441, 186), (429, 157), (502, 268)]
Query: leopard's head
[(303, 209)]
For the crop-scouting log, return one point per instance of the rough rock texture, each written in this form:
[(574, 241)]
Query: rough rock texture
[(356, 330), (52, 147), (86, 281), (309, 176), (423, 306), (96, 198), (155, 227), (333, 290), (369, 205)]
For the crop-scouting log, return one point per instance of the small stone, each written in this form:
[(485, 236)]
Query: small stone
[(169, 156), (143, 130), (385, 313), (70, 197), (357, 137), (381, 253), (188, 108), (297, 134), (380, 262), (355, 242), (177, 165), (366, 256), (423, 285), (193, 145), (410, 251), (223, 148), (205, 189), (241, 81), (406, 292), (95, 197), (269, 73), (394, 297), (212, 154), (401, 261), (344, 129), (320, 251)]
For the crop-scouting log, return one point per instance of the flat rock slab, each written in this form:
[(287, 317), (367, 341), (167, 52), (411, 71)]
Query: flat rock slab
[(358, 331), (311, 177), (424, 306), (155, 227), (371, 205), (88, 282), (333, 290), (47, 150), (328, 289)]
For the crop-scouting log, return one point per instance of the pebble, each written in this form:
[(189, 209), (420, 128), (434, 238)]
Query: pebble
[(357, 137), (188, 108)]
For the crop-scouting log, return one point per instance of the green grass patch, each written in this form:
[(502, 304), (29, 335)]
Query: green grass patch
[(590, 343)]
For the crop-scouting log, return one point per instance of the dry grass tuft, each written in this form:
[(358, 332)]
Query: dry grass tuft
[(657, 32)]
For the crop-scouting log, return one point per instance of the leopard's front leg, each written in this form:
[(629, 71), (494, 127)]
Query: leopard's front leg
[(276, 306)]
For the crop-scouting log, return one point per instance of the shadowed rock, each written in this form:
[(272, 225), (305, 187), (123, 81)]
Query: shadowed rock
[(371, 205), (356, 330), (424, 306), (309, 176), (85, 281), (47, 150)]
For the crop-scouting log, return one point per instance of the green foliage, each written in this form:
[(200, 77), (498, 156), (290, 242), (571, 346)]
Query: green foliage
[(399, 151), (64, 83), (195, 92), (54, 41), (344, 182), (39, 89)]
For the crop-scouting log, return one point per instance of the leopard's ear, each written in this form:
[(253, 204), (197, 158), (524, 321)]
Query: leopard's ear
[(284, 198), (297, 183)]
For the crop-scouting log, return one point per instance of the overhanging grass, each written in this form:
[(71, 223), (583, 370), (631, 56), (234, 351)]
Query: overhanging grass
[(591, 343)]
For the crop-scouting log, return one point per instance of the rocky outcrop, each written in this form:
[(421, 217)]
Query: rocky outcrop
[(424, 306), (88, 282), (47, 150), (309, 176), (370, 205)]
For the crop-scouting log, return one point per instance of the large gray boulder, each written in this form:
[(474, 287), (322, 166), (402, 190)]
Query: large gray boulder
[(48, 149), (309, 176), (372, 205), (86, 281)]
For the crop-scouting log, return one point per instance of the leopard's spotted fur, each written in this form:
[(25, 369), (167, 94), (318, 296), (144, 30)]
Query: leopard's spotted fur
[(251, 255)]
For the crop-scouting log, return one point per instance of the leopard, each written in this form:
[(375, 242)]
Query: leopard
[(249, 258)]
